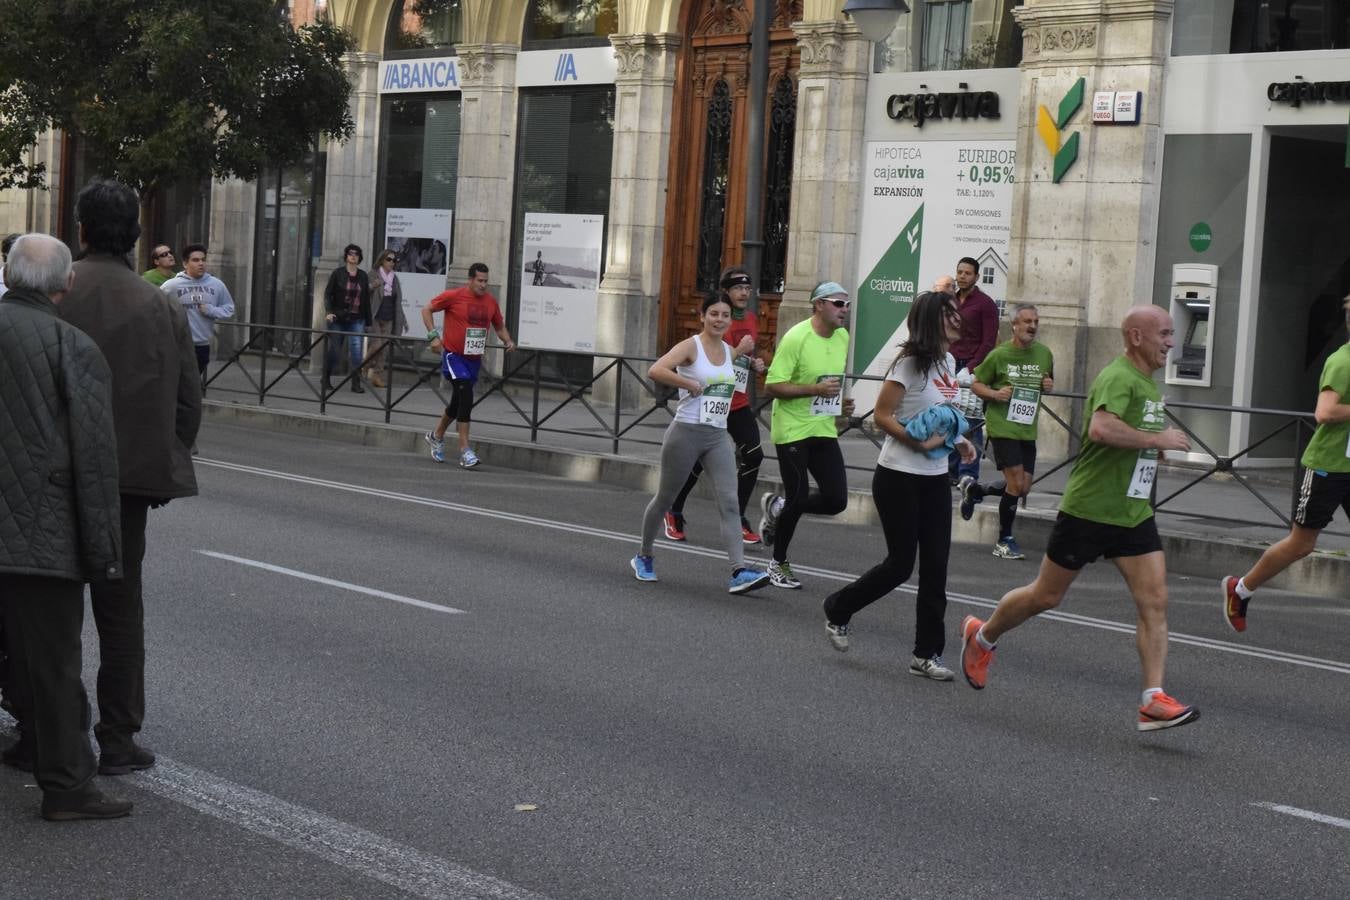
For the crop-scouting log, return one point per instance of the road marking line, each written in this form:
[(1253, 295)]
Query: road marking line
[(332, 582), (331, 840), (1294, 659), (1304, 814)]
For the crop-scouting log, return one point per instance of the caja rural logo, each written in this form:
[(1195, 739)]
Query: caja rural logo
[(1050, 128)]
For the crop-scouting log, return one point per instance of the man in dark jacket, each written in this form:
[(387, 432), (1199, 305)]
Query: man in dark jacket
[(157, 392), (58, 519)]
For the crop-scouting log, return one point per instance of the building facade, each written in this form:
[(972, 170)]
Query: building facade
[(1089, 154)]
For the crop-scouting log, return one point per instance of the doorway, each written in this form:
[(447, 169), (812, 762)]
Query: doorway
[(705, 207)]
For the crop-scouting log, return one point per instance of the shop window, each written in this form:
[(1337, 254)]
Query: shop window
[(420, 165), (1259, 26), (570, 23), (424, 27), (564, 145), (286, 245)]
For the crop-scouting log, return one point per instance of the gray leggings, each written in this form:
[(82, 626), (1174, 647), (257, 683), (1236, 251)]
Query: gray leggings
[(686, 444)]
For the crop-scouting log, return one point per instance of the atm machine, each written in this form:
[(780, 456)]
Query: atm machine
[(1194, 287)]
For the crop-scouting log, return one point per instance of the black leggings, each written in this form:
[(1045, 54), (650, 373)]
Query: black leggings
[(744, 431), (916, 517), (461, 400), (822, 459)]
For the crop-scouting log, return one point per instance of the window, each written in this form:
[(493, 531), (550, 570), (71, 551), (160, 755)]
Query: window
[(420, 168), (564, 146), (570, 23), (424, 27), (946, 32), (1259, 26), (987, 275)]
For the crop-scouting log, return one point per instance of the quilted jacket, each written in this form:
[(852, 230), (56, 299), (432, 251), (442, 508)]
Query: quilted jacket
[(157, 392), (59, 512)]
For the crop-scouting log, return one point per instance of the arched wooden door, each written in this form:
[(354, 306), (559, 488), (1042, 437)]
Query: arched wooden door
[(705, 206)]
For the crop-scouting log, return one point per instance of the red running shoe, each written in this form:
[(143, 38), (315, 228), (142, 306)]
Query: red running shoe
[(1234, 607), (748, 537), (674, 526), (975, 659)]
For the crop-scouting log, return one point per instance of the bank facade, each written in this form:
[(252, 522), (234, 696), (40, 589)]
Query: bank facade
[(1090, 155)]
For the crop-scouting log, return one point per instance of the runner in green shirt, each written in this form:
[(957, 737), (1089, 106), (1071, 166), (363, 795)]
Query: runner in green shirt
[(1010, 381), (1325, 486), (1106, 512), (806, 382)]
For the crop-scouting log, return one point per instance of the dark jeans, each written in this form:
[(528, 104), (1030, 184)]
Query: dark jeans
[(916, 518), (744, 431), (119, 615), (43, 618), (821, 457), (203, 352)]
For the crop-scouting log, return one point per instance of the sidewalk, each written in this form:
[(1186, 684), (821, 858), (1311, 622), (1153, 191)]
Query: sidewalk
[(574, 444)]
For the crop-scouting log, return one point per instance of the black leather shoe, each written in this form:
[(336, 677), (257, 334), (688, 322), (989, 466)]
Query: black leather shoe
[(125, 763), (356, 386), (92, 805), (18, 755)]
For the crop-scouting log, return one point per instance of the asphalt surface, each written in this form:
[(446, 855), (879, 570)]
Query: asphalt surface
[(572, 733)]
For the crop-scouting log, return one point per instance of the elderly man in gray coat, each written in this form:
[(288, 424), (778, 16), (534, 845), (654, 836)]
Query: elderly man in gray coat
[(58, 518)]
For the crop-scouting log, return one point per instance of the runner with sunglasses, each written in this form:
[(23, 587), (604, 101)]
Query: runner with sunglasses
[(806, 380)]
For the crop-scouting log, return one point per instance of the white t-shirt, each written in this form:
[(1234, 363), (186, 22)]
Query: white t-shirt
[(922, 389)]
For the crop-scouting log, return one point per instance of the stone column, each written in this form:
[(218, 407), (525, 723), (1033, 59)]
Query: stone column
[(826, 163), (1082, 249), (487, 165), (630, 293), (349, 188)]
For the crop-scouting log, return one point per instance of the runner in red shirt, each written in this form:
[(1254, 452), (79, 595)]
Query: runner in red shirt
[(741, 424), (469, 312)]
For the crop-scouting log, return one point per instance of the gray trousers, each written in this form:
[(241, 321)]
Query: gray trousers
[(686, 444)]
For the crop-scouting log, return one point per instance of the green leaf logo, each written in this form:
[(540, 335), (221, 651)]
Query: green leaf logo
[(1063, 151)]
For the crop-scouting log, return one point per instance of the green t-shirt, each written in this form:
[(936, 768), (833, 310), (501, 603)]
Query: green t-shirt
[(1023, 368), (1329, 449), (804, 357), (1112, 485), (156, 277)]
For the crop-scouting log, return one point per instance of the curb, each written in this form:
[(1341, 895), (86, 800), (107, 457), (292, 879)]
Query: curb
[(1323, 574)]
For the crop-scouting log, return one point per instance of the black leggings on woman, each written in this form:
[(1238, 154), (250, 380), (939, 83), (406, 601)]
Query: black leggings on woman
[(916, 517), (744, 431)]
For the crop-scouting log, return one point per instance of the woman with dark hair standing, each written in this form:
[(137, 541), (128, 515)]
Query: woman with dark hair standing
[(910, 486), (389, 318), (741, 424), (346, 300), (701, 367)]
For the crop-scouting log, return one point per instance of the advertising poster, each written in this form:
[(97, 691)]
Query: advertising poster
[(560, 281), (421, 240), (926, 204)]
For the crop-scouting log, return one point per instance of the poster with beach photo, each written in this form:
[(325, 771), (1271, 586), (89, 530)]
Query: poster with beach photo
[(560, 281)]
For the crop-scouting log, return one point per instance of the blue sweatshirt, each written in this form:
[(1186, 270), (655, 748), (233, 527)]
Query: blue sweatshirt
[(209, 293)]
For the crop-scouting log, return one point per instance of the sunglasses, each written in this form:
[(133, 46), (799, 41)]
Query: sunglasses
[(838, 304), (162, 255), (390, 259)]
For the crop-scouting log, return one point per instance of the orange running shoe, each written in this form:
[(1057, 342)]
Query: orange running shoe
[(1165, 712), (1234, 607), (974, 658)]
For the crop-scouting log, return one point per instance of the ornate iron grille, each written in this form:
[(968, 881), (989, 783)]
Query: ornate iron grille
[(778, 185), (716, 157)]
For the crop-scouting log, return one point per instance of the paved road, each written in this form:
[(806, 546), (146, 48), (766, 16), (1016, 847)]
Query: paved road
[(480, 645)]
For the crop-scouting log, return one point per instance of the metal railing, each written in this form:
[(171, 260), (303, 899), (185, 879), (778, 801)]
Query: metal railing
[(537, 391)]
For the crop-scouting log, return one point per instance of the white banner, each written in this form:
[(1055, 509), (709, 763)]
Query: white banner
[(412, 76), (559, 68), (560, 281), (926, 204), (421, 240)]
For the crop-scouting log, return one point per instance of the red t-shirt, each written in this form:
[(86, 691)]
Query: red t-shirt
[(738, 330), (465, 310)]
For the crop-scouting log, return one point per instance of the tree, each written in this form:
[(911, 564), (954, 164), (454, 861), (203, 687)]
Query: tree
[(162, 90)]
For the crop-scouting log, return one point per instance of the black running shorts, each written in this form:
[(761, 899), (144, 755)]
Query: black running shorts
[(1075, 542), (1010, 452), (1319, 495)]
